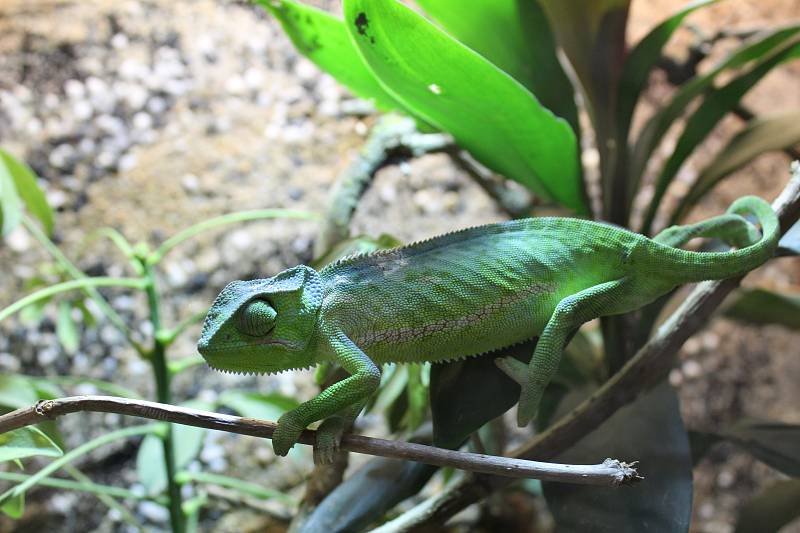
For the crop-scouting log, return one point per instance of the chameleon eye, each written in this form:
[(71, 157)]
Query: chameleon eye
[(257, 318)]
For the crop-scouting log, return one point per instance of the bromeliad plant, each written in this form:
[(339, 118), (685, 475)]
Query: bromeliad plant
[(488, 73)]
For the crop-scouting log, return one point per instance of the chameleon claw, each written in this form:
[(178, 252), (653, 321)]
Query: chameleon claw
[(285, 435)]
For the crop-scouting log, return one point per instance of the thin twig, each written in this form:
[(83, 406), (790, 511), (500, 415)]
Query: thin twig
[(610, 473), (393, 137), (649, 366)]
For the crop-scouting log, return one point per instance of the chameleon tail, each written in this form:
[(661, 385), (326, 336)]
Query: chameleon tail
[(699, 266)]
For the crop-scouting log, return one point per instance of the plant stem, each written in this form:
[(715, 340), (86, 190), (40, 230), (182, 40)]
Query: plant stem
[(76, 273), (158, 359)]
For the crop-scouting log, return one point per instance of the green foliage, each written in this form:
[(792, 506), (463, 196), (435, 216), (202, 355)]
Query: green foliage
[(26, 442), (760, 306), (772, 509), (18, 187)]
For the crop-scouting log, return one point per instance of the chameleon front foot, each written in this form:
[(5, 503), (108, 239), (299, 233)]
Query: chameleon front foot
[(286, 434)]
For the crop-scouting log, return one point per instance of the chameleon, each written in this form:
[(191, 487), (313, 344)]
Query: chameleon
[(462, 294)]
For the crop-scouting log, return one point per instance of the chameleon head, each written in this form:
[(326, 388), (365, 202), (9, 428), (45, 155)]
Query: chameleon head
[(263, 325)]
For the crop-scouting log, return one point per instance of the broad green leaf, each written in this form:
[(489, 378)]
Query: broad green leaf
[(592, 34), (774, 443), (14, 506), (16, 392), (763, 134), (323, 39), (459, 91), (26, 442), (649, 430), (66, 329), (257, 405), (28, 190), (467, 394), (526, 50), (772, 509), (790, 242), (760, 306), (654, 130)]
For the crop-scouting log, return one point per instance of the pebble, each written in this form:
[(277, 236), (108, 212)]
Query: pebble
[(190, 183), (18, 240), (9, 363), (153, 511), (692, 369)]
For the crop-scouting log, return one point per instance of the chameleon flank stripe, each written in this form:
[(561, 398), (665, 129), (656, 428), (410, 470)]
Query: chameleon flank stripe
[(461, 294)]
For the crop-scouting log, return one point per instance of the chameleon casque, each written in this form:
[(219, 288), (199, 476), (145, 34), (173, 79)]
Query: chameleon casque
[(457, 295)]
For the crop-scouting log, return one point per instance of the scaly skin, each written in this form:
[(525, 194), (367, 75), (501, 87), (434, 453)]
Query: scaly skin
[(458, 295)]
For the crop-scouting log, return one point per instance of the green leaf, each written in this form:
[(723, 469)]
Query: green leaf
[(527, 50), (592, 36), (10, 203), (150, 465), (26, 442), (186, 444), (16, 392), (763, 134), (775, 443), (772, 509), (760, 306), (649, 430), (27, 188), (457, 90), (257, 405), (717, 102), (66, 329), (640, 62), (467, 394), (14, 506), (324, 40)]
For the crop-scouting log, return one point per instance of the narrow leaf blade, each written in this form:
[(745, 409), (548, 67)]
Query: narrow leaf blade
[(25, 181), (772, 509), (27, 442), (775, 443), (760, 306), (762, 135)]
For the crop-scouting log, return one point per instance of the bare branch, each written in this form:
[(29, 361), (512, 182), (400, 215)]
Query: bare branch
[(650, 365), (610, 473)]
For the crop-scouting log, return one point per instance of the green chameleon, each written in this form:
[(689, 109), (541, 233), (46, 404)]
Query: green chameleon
[(461, 294)]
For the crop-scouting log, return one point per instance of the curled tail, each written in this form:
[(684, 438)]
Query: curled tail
[(732, 227)]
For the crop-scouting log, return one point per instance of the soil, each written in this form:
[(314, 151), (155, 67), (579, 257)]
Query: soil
[(149, 116)]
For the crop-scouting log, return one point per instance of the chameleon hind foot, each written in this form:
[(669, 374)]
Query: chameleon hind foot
[(286, 434), (329, 438)]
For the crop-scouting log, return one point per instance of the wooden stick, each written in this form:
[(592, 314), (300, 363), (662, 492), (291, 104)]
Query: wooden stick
[(610, 473)]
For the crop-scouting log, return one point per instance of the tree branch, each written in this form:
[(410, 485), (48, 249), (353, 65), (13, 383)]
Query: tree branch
[(650, 365), (610, 473)]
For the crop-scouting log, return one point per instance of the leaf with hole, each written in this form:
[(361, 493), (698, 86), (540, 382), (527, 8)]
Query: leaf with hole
[(527, 51), (323, 39), (459, 91)]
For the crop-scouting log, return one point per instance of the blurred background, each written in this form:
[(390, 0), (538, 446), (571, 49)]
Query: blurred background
[(148, 116)]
